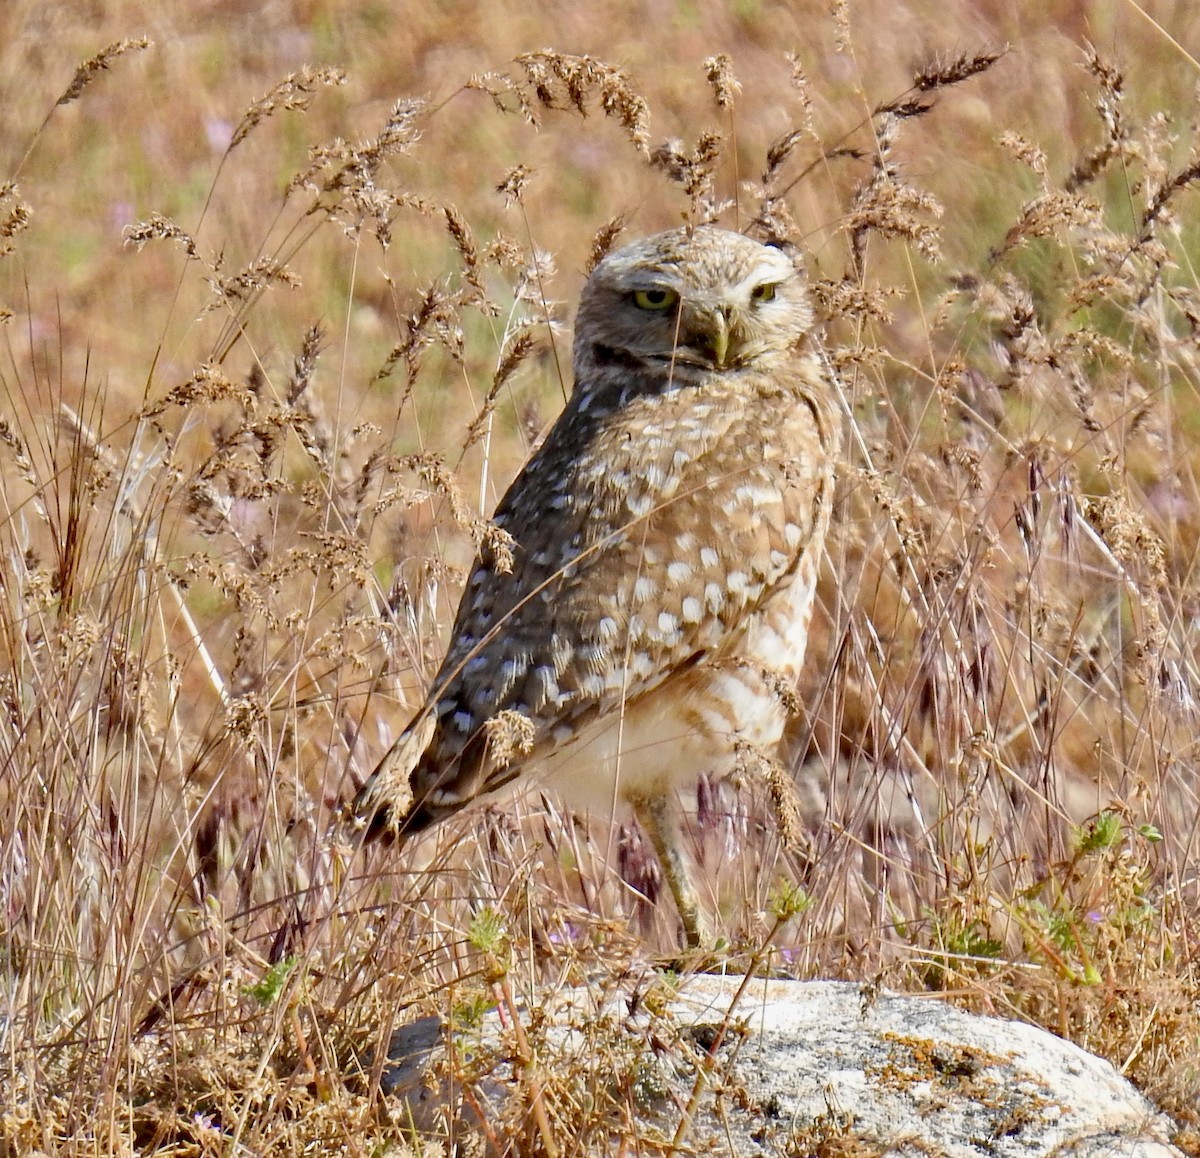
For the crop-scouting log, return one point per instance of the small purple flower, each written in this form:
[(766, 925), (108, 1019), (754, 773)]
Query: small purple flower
[(219, 132)]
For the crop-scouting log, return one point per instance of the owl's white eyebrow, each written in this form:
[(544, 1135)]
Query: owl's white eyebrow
[(643, 279), (763, 276)]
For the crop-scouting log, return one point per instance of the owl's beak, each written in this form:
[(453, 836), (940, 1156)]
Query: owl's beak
[(712, 335)]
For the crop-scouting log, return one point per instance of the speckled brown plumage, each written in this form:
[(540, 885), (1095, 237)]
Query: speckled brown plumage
[(667, 536)]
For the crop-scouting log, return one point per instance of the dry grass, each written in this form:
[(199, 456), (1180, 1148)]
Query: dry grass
[(268, 361)]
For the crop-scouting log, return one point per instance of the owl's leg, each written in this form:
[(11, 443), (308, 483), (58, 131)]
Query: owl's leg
[(660, 821)]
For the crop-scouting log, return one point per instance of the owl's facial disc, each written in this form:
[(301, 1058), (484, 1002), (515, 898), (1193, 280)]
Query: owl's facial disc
[(704, 298)]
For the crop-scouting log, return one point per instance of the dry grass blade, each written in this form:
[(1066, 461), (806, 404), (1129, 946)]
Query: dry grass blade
[(15, 219), (604, 239), (293, 93), (558, 80), (946, 71), (232, 542), (91, 68), (721, 78)]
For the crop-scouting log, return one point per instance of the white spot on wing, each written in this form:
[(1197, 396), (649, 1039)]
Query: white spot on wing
[(593, 686), (756, 496), (545, 684), (592, 657), (561, 649), (644, 589), (510, 671)]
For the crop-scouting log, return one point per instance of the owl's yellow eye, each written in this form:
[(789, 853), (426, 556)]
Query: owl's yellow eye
[(764, 292), (655, 299)]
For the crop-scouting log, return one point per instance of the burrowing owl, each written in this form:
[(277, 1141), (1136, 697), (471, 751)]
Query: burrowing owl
[(667, 536)]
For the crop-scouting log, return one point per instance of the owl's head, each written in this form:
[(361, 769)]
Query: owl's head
[(703, 298)]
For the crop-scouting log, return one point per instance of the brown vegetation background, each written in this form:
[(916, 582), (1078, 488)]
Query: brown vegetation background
[(286, 296)]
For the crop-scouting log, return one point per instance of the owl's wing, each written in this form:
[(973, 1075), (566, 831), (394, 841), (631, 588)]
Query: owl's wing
[(645, 538)]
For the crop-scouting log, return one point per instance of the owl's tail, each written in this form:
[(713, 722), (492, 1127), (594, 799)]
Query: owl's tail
[(384, 808)]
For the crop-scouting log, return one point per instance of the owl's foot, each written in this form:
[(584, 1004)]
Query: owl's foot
[(659, 820)]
